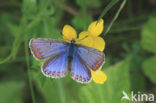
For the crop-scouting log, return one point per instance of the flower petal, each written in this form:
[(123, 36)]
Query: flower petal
[(96, 28), (98, 43), (69, 33), (99, 77), (87, 41)]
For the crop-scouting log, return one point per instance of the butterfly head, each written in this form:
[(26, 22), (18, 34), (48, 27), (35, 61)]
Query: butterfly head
[(81, 39), (72, 41)]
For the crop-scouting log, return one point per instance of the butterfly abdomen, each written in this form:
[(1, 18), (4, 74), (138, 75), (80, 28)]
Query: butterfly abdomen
[(71, 51)]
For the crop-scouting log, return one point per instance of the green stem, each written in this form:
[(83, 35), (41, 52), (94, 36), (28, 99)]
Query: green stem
[(45, 27), (115, 17), (28, 71), (107, 8), (61, 91), (84, 12)]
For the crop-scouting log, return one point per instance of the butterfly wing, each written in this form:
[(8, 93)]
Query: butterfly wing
[(56, 66), (42, 48), (92, 57), (80, 71)]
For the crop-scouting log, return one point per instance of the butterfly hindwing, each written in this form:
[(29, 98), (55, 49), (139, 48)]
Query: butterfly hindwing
[(92, 57), (80, 71), (55, 66), (43, 48)]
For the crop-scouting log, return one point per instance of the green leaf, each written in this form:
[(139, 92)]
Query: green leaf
[(117, 82), (149, 68), (11, 92), (148, 39), (138, 82)]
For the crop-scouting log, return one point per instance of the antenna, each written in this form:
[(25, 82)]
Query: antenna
[(82, 38)]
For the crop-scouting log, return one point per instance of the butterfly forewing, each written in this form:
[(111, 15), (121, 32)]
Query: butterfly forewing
[(92, 57), (43, 48)]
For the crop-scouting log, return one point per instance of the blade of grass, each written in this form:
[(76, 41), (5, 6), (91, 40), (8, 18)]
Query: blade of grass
[(107, 8), (84, 13), (115, 17), (45, 27), (28, 70), (61, 91)]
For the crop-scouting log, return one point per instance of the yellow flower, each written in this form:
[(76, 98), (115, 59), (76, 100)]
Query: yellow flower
[(99, 77), (69, 33), (89, 38), (95, 28)]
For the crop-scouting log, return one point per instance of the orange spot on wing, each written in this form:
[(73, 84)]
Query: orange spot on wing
[(77, 77), (36, 50), (58, 73), (40, 57), (97, 65), (64, 73), (80, 78), (84, 79), (94, 67), (49, 73), (37, 53), (53, 73)]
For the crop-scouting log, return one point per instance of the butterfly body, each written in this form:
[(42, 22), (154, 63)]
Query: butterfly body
[(61, 56), (72, 48)]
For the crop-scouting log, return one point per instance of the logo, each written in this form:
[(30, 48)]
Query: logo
[(139, 97)]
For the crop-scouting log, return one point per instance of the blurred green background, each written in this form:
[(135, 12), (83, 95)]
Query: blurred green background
[(130, 49)]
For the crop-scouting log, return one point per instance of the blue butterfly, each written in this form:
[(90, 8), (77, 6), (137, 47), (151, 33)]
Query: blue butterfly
[(61, 56)]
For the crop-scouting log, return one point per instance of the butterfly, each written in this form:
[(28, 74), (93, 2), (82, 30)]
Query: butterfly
[(61, 56)]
